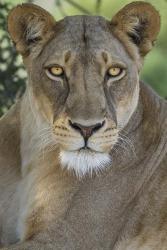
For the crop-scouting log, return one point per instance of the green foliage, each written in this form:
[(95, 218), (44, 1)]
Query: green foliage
[(12, 74)]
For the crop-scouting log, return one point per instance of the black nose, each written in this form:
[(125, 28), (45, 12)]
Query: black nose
[(86, 131)]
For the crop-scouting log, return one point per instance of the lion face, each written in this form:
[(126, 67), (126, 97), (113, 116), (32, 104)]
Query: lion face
[(88, 105), (84, 81)]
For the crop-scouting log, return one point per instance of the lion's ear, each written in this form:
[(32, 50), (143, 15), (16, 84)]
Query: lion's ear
[(29, 25), (140, 21)]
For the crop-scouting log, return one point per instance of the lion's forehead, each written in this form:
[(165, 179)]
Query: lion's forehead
[(86, 29), (85, 35)]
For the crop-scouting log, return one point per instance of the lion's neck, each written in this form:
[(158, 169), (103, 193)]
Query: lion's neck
[(143, 147), (33, 127)]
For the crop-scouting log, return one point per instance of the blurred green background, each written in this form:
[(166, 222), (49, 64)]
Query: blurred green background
[(12, 72)]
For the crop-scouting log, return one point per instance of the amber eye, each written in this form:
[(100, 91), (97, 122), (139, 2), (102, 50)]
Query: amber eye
[(114, 71), (54, 71)]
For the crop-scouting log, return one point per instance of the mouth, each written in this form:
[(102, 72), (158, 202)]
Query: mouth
[(87, 149)]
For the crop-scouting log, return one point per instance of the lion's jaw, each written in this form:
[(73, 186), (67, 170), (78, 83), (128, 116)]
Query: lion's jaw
[(84, 161)]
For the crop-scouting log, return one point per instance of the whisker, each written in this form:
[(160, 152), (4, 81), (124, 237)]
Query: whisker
[(126, 144), (45, 141)]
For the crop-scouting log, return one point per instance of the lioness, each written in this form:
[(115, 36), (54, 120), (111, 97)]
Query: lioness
[(83, 153)]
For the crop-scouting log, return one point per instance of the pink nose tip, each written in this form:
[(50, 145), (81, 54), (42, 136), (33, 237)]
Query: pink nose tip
[(86, 131)]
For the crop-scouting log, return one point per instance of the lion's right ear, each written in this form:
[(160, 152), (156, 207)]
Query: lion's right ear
[(29, 26)]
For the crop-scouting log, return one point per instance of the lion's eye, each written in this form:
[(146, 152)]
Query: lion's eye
[(114, 71), (54, 71)]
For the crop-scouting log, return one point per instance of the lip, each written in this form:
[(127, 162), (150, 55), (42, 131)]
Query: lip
[(87, 150)]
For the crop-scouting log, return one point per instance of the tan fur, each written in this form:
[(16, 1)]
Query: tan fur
[(120, 204)]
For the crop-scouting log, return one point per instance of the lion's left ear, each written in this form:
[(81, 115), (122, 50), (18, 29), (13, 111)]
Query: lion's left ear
[(139, 21)]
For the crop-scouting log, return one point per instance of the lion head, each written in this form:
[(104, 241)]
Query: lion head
[(83, 76)]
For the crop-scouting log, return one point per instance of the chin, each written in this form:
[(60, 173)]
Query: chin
[(85, 161)]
